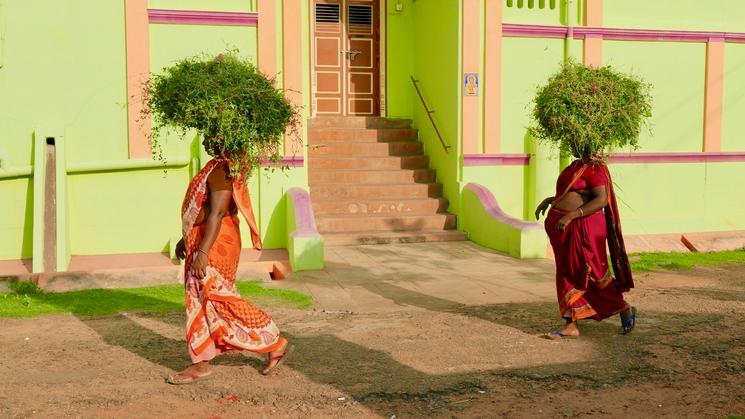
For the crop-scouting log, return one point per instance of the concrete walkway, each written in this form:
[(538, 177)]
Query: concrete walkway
[(367, 279)]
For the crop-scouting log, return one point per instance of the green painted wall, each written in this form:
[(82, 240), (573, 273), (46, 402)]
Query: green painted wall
[(540, 12), (677, 89), (716, 15), (733, 118), (436, 48), (400, 47)]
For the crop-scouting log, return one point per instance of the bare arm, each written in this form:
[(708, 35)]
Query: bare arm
[(541, 210), (598, 202), (220, 196)]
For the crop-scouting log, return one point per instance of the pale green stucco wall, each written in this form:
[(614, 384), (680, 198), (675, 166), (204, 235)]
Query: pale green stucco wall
[(64, 72), (733, 118)]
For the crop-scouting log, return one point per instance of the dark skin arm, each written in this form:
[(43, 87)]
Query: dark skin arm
[(591, 202), (220, 197)]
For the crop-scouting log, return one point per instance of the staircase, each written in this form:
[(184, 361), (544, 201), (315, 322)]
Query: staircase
[(370, 183)]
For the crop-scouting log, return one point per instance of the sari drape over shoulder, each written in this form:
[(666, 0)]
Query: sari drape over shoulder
[(585, 285), (217, 318)]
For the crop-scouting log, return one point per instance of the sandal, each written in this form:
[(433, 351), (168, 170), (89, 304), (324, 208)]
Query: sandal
[(190, 378), (557, 335), (628, 325), (279, 358)]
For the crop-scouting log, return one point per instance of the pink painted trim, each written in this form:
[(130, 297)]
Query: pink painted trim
[(288, 161), (694, 157), (198, 17), (502, 159), (534, 31), (578, 32), (492, 208), (305, 221)]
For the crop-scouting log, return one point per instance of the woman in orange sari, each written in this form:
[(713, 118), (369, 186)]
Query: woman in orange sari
[(582, 218), (218, 320)]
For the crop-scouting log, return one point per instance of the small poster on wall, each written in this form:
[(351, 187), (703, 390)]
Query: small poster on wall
[(471, 84)]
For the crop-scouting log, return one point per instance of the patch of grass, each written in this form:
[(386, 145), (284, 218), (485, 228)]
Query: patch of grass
[(26, 300), (644, 262)]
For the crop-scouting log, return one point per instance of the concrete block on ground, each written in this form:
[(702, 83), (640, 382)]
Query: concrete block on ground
[(304, 243)]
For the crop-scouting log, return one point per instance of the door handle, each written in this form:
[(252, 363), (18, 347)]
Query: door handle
[(351, 55)]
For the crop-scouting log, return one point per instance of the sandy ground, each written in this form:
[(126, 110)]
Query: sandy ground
[(431, 357)]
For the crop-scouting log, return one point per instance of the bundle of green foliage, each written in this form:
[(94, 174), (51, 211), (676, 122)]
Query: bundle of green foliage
[(238, 111), (588, 112)]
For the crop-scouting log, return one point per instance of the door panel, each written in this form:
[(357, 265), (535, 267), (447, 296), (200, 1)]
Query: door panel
[(345, 74)]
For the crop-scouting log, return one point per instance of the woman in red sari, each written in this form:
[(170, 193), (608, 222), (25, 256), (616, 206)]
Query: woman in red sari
[(582, 218), (218, 320)]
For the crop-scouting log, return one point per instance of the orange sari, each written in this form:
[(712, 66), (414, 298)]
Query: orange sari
[(217, 318)]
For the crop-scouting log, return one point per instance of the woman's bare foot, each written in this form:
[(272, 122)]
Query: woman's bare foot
[(569, 330), (278, 356), (193, 373)]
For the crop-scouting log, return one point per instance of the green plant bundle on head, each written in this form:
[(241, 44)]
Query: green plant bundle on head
[(589, 111), (240, 113)]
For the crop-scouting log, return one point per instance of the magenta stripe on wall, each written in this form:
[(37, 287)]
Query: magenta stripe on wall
[(502, 159), (196, 17), (695, 157), (541, 31), (289, 161), (518, 159)]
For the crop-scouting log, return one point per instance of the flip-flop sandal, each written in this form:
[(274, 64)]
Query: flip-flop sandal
[(628, 325), (557, 335), (280, 358), (191, 378)]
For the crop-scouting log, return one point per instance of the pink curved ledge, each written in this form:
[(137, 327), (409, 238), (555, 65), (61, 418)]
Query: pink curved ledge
[(305, 221), (490, 205)]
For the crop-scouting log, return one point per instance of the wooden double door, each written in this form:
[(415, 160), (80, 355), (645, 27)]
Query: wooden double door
[(346, 62)]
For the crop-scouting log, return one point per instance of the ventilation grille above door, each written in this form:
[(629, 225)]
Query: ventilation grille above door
[(328, 17), (532, 4), (360, 19)]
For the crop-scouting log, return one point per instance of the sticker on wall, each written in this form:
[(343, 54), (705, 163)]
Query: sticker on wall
[(471, 84)]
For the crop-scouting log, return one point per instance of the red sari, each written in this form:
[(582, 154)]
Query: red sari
[(585, 285), (217, 318)]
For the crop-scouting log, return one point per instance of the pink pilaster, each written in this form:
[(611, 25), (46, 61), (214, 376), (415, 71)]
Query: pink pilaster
[(138, 71), (493, 77), (714, 95), (471, 63), (292, 69)]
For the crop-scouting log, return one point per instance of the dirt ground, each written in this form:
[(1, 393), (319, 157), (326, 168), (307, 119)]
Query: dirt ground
[(433, 358)]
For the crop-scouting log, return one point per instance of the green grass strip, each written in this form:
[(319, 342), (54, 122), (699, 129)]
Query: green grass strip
[(645, 262), (26, 300)]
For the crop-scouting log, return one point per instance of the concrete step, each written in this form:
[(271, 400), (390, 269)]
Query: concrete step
[(357, 122), (400, 191), (391, 237), (349, 223), (371, 163), (342, 149), (321, 135), (380, 206), (317, 177)]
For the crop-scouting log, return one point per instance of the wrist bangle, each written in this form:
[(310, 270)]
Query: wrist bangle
[(205, 253), (581, 213)]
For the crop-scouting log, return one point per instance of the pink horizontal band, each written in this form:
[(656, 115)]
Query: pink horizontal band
[(501, 159), (289, 161), (196, 17), (579, 32), (694, 157)]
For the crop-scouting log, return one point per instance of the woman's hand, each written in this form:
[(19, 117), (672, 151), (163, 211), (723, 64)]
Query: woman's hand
[(181, 250), (564, 222), (199, 265), (542, 207)]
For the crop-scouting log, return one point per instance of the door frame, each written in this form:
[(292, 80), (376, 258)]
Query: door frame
[(382, 70)]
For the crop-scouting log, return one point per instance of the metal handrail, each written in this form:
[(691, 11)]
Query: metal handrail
[(429, 114)]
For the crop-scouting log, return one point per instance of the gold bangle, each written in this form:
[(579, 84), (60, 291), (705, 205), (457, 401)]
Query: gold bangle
[(205, 253), (581, 213)]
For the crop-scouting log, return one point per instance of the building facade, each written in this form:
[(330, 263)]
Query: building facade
[(77, 177)]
